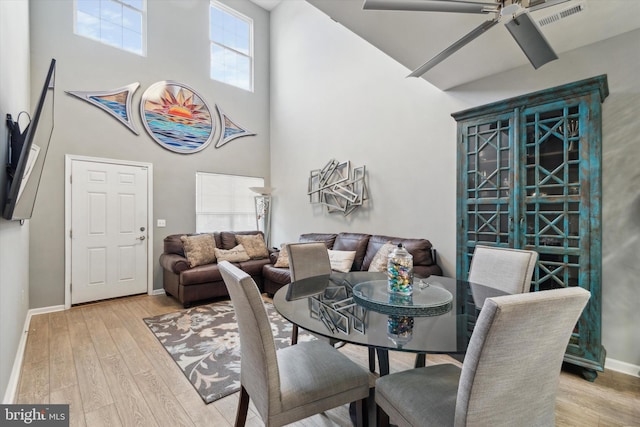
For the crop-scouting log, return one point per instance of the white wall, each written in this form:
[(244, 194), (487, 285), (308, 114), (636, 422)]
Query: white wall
[(178, 49), (335, 96), (14, 239)]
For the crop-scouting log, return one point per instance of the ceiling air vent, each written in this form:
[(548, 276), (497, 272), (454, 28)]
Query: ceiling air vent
[(564, 13)]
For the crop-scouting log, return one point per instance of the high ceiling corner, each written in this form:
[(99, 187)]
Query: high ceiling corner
[(412, 38)]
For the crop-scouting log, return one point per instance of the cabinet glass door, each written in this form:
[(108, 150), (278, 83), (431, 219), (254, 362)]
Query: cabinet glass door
[(552, 205), (557, 205), (488, 164)]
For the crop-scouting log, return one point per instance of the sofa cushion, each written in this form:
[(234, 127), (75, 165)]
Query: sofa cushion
[(353, 242), (328, 239), (173, 244), (201, 274), (199, 249), (228, 238), (420, 249), (253, 267), (254, 245), (283, 257), (236, 254), (275, 274), (380, 260), (341, 260)]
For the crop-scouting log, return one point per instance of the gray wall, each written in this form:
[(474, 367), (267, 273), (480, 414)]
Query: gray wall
[(14, 239), (335, 96), (178, 49)]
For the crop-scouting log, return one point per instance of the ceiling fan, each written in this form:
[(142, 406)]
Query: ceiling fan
[(523, 29)]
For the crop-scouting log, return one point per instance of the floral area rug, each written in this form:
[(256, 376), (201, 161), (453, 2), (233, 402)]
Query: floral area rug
[(205, 344)]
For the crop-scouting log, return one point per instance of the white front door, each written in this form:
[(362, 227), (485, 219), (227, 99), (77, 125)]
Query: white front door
[(108, 230)]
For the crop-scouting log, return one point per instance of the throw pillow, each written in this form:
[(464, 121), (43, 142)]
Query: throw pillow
[(237, 254), (199, 249), (283, 257), (254, 245), (341, 260), (379, 261)]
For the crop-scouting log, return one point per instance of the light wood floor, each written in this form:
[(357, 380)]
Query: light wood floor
[(103, 360)]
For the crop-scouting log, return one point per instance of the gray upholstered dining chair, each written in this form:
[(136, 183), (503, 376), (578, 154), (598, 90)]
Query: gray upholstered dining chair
[(510, 374), (507, 269), (307, 260), (292, 383)]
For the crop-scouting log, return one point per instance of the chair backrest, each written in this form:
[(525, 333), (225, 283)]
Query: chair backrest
[(512, 367), (307, 260), (258, 367), (507, 269)]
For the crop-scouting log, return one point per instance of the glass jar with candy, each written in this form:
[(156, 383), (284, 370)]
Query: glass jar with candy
[(400, 271)]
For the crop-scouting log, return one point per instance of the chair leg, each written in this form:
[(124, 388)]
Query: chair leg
[(382, 417), (372, 359), (383, 361), (243, 407), (294, 335), (421, 360), (362, 413)]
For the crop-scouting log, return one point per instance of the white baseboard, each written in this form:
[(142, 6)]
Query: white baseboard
[(623, 367), (158, 292), (14, 378)]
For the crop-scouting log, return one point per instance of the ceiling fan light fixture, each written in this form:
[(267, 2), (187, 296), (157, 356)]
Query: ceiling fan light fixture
[(510, 10), (531, 40)]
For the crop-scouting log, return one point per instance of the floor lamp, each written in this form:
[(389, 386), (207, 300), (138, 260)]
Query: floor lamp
[(263, 211)]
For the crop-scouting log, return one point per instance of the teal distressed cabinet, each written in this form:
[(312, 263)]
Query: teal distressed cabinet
[(529, 176)]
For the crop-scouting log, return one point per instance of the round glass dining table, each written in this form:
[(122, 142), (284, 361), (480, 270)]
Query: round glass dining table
[(327, 306)]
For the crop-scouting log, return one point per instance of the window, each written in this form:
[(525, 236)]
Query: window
[(225, 203), (231, 42), (118, 23)]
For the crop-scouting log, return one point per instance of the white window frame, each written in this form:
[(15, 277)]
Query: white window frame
[(236, 214), (226, 9), (143, 35)]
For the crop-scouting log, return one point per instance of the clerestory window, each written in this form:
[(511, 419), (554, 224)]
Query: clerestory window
[(117, 23), (231, 45)]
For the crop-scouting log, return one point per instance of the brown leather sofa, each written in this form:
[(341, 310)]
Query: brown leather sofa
[(203, 282), (366, 247)]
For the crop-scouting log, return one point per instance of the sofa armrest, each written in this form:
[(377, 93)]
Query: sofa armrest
[(174, 263)]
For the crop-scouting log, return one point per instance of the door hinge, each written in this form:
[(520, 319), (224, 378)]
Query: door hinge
[(71, 234), (70, 179)]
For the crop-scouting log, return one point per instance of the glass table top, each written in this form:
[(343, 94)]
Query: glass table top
[(326, 306)]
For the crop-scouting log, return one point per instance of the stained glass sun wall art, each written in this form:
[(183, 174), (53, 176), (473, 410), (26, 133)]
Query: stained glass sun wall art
[(176, 117)]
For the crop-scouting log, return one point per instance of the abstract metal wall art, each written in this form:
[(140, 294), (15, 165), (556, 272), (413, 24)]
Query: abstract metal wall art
[(230, 129), (338, 187), (116, 102)]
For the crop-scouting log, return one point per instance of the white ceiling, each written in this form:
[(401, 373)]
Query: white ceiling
[(412, 38)]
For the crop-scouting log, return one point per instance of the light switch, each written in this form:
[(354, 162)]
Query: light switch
[(162, 223)]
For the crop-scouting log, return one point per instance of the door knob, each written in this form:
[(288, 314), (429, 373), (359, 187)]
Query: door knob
[(140, 238)]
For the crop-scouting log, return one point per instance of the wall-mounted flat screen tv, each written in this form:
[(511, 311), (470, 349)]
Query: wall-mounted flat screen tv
[(27, 153)]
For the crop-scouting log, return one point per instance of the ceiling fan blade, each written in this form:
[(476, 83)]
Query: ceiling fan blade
[(486, 25), (531, 40), (432, 6)]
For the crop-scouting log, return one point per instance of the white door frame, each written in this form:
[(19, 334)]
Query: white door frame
[(68, 159)]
